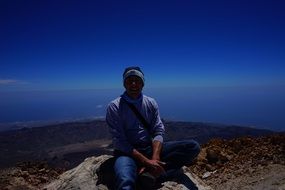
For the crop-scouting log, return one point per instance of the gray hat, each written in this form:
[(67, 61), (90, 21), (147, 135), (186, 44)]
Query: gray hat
[(133, 71)]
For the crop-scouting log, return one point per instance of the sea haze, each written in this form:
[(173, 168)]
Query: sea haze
[(261, 107)]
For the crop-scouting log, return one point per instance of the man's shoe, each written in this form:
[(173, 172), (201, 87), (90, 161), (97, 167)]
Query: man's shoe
[(147, 180), (170, 175)]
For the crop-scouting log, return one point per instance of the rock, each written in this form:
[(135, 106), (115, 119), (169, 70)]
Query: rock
[(243, 163), (212, 156), (84, 177), (208, 174), (210, 167), (238, 160)]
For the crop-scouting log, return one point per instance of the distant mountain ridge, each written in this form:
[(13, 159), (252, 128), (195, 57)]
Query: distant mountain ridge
[(203, 132), (37, 143)]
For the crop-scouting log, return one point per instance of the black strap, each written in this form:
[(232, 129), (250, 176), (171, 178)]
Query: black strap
[(138, 114)]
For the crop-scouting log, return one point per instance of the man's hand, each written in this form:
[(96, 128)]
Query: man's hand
[(155, 167)]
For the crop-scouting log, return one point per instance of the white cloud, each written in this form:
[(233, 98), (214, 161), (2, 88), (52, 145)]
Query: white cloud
[(10, 81), (99, 106)]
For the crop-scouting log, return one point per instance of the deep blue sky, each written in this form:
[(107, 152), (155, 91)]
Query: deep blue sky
[(225, 58), (51, 45)]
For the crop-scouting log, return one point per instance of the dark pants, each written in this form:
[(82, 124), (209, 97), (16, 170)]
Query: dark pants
[(174, 153)]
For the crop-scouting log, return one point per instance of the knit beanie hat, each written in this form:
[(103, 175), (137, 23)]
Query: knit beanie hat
[(133, 71)]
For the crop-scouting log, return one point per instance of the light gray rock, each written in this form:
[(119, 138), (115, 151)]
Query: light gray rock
[(84, 177)]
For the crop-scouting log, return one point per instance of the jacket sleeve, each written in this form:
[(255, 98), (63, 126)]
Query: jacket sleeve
[(158, 127), (116, 129)]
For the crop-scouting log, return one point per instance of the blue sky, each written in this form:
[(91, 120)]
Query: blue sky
[(225, 58), (52, 45)]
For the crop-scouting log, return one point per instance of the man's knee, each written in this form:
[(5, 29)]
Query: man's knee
[(193, 148), (125, 171), (125, 165), (125, 161), (197, 147)]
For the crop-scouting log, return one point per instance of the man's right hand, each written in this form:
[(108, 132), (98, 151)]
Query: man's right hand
[(155, 167)]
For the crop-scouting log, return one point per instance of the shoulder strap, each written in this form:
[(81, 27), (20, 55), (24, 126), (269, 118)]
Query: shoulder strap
[(138, 114)]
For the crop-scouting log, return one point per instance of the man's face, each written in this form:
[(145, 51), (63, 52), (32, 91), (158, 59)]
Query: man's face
[(133, 85)]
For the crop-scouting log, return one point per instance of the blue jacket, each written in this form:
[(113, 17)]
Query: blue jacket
[(127, 130)]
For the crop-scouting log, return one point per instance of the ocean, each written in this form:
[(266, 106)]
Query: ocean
[(258, 106)]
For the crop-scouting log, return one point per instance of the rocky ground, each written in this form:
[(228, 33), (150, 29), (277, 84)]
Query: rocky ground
[(28, 175), (242, 163)]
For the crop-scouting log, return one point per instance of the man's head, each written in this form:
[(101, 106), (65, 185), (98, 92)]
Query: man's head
[(133, 81), (133, 71)]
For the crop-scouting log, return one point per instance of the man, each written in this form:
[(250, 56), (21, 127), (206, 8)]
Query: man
[(139, 147)]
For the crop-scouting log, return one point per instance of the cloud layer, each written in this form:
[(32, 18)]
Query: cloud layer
[(10, 81)]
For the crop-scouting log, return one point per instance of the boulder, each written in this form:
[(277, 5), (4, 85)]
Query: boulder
[(85, 177)]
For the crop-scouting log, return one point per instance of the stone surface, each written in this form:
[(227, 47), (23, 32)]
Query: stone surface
[(84, 177)]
